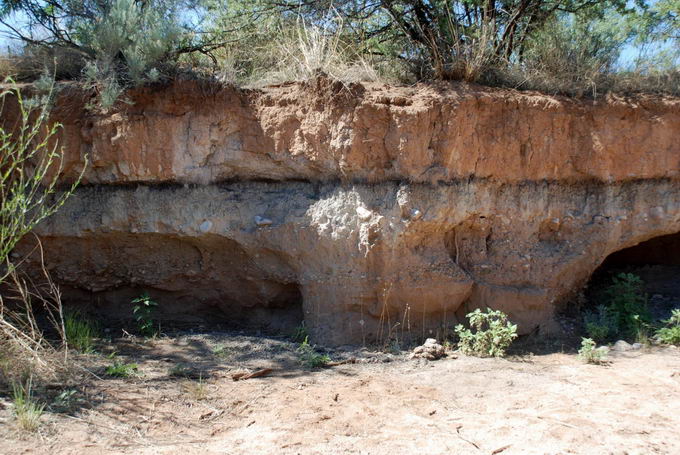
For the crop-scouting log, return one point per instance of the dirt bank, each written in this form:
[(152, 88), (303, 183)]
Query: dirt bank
[(359, 209)]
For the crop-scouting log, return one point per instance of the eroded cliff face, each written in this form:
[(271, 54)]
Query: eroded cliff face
[(362, 209)]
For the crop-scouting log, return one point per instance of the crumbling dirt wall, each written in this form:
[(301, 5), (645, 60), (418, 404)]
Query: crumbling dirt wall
[(374, 208)]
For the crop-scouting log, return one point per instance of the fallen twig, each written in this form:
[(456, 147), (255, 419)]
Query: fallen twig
[(464, 439), (242, 375), (341, 362)]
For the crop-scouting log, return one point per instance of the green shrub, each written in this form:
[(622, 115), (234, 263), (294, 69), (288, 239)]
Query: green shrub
[(143, 313), (602, 324), (589, 352), (79, 332), (492, 335), (130, 43), (309, 357), (671, 333), (627, 301)]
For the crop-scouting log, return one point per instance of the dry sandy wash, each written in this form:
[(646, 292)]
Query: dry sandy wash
[(387, 404)]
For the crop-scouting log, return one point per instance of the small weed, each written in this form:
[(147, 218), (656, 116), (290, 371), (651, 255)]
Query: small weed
[(65, 400), (197, 390), (671, 333), (222, 351), (309, 357), (80, 332), (393, 347), (27, 410), (642, 332), (300, 333), (143, 313), (589, 353), (121, 370), (492, 336)]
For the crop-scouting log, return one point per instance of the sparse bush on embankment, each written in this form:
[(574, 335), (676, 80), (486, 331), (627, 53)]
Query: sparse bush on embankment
[(578, 48)]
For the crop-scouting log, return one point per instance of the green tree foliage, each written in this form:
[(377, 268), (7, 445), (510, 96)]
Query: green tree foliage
[(122, 42), (570, 46)]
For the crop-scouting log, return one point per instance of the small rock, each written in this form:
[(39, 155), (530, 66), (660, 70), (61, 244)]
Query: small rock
[(637, 346), (622, 346), (205, 226), (657, 213), (603, 349), (430, 350), (261, 221), (416, 214), (363, 213)]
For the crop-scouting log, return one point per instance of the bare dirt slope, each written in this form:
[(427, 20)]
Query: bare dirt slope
[(545, 404), (350, 208)]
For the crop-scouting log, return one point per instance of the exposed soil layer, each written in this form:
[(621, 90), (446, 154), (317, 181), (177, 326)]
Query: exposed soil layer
[(362, 209), (360, 260), (185, 401), (325, 131)]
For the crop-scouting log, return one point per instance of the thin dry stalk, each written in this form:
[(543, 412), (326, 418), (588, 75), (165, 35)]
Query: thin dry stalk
[(22, 340)]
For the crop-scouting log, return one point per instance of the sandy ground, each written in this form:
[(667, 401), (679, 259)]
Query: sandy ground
[(388, 404)]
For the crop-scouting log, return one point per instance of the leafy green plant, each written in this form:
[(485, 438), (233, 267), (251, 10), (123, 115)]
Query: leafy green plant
[(601, 324), (589, 352), (671, 333), (143, 313), (492, 334), (300, 333), (627, 301), (27, 410), (80, 332), (65, 400), (121, 370), (309, 357)]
